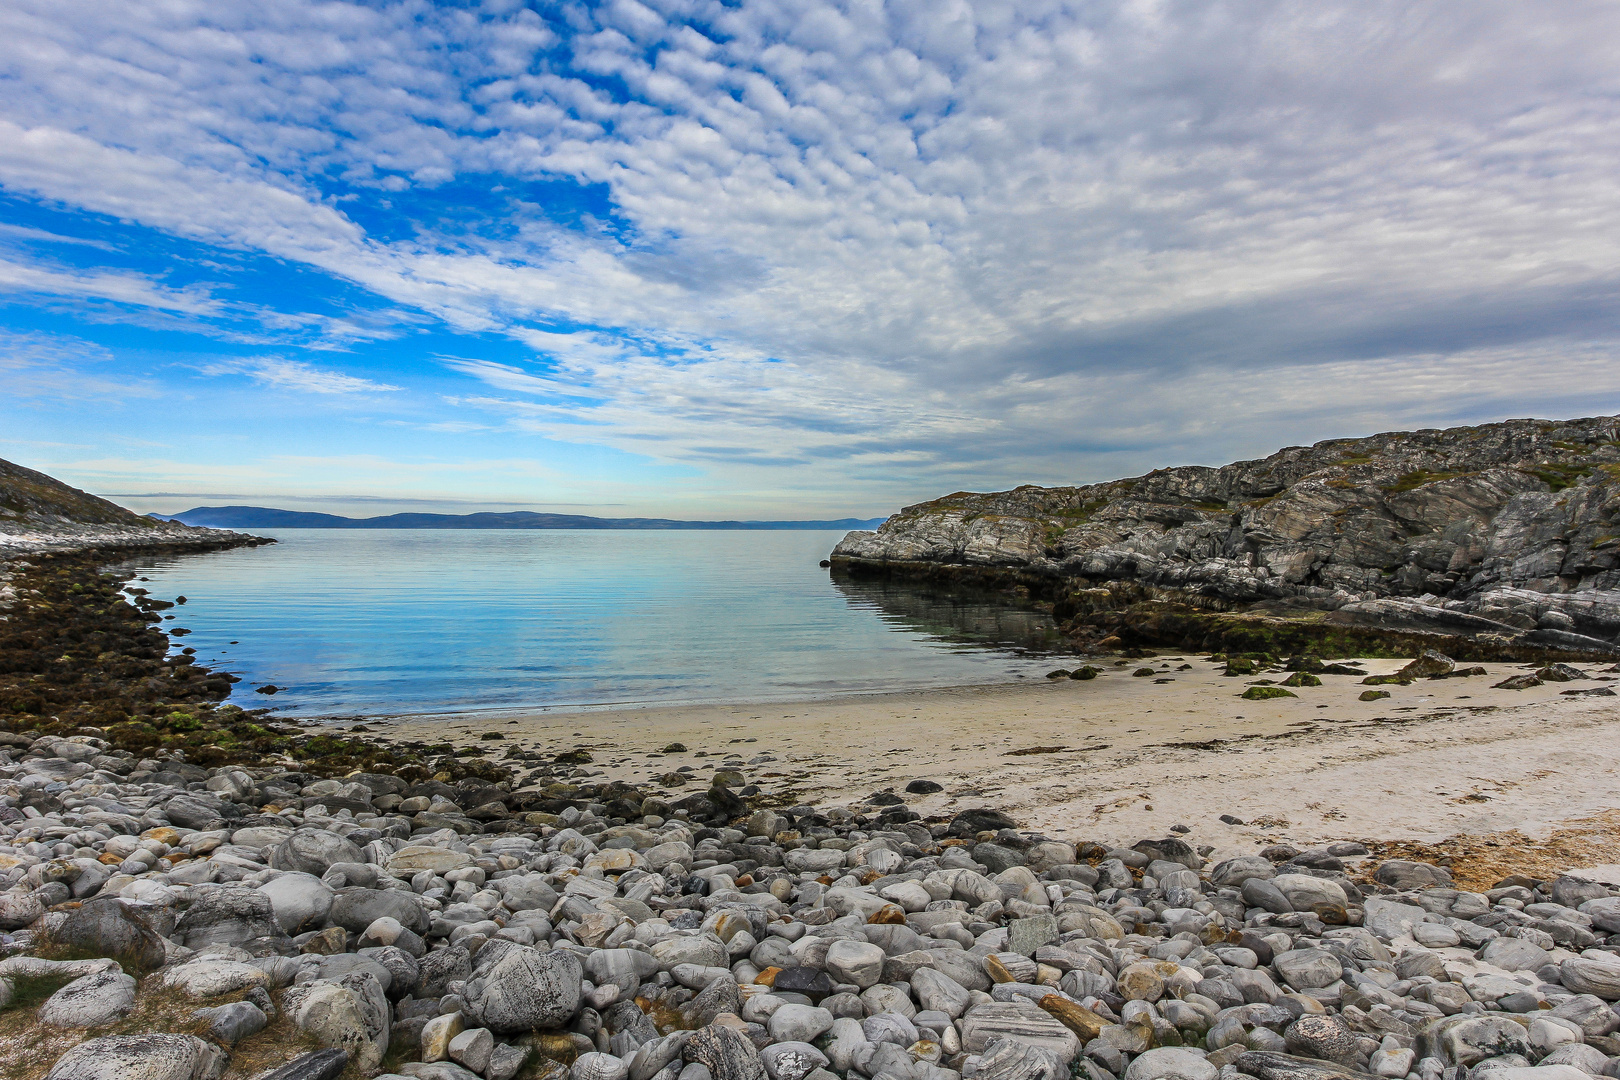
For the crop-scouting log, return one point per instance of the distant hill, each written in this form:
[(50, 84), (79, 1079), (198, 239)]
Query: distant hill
[(263, 517)]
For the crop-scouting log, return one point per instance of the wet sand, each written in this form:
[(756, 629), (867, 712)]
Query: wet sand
[(1121, 757)]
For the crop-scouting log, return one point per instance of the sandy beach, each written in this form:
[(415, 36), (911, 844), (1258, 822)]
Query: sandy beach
[(1122, 756)]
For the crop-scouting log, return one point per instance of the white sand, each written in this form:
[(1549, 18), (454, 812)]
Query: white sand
[(1437, 758)]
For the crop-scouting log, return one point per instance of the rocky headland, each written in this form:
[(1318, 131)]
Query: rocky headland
[(1494, 542), (40, 515)]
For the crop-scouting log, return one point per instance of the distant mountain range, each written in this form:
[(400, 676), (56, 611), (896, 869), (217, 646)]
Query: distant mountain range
[(263, 517)]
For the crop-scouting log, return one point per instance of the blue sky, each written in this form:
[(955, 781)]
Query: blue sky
[(784, 259)]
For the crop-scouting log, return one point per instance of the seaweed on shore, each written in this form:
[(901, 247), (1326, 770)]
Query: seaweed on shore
[(77, 658)]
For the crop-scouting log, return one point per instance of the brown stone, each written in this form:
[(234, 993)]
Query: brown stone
[(888, 913), (1074, 1016)]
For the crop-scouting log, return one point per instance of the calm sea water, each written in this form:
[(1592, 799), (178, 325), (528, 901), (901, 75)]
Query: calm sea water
[(428, 621)]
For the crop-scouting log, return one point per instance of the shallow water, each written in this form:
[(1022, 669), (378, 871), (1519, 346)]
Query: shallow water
[(426, 621)]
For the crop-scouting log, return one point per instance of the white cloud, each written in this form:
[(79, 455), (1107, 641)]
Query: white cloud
[(908, 243), (296, 375)]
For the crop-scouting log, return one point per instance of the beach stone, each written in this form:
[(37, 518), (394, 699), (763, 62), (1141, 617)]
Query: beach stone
[(1170, 1063), (1308, 969), (799, 1023), (1389, 919), (1514, 954), (325, 1064), (230, 1024), (938, 992), (18, 910), (1404, 875), (857, 962), (791, 1060), (1013, 1059), (1273, 1065), (700, 951), (298, 901), (352, 1014), (961, 967), (1305, 892), (1326, 1037), (437, 1033), (413, 859), (812, 860), (658, 1054), (438, 969), (473, 1048), (1604, 911), (1022, 1019), (1467, 1040), (226, 915), (90, 1001), (1074, 1016), (357, 908), (1232, 873), (526, 989), (107, 927), (212, 978), (1261, 893), (313, 851), (141, 1057), (1596, 977), (1024, 936), (596, 1066), (726, 1052), (1590, 1013)]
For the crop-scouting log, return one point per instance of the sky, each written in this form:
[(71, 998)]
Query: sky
[(784, 258)]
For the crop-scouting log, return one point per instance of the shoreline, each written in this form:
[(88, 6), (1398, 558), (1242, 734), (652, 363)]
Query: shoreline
[(1119, 756), (1127, 756)]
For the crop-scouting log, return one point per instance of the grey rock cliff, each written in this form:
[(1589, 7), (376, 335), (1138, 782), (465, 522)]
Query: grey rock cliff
[(1516, 524)]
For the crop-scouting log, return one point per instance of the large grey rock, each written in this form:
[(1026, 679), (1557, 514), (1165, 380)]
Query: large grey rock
[(937, 991), (1389, 918), (1604, 913), (1305, 892), (141, 1057), (791, 1060), (209, 977), (1515, 954), (226, 915), (90, 1001), (1306, 969), (1326, 1037), (357, 908), (352, 1015), (1023, 1019), (1234, 872), (1596, 977), (858, 962), (1270, 1065), (19, 909), (524, 990), (230, 1024), (1015, 1059), (1170, 1063), (325, 1064), (725, 1052), (1467, 1040), (799, 1023), (107, 927), (298, 901), (313, 851)]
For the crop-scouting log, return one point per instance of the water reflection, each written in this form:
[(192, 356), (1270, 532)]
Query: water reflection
[(955, 616)]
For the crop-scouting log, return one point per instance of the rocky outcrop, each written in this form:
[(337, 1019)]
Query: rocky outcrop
[(1509, 529), (41, 515)]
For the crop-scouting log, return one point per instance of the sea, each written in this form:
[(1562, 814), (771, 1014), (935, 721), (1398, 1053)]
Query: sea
[(411, 622)]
